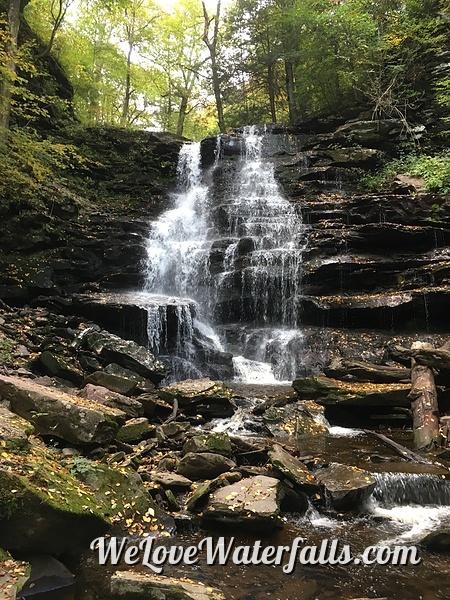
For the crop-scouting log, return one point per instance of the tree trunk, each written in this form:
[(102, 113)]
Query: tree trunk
[(211, 44), (290, 89), (366, 371), (126, 100), (182, 114), (424, 404), (8, 79), (271, 85)]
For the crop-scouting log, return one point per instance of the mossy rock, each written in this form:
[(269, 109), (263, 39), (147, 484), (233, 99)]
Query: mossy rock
[(14, 431), (43, 507), (135, 430), (218, 443)]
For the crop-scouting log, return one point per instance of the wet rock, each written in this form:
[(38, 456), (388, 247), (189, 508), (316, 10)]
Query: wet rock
[(332, 391), (113, 383), (347, 487), (302, 418), (126, 353), (131, 407), (54, 412), (126, 585), (205, 465), (142, 383), (252, 503), (48, 576), (43, 508), (218, 443), (14, 430), (135, 430), (59, 366), (200, 396), (293, 469), (438, 540)]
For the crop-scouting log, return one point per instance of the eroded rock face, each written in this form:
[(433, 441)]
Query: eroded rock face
[(253, 502), (54, 412), (346, 486)]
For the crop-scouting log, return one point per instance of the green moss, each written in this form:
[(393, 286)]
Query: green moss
[(31, 481)]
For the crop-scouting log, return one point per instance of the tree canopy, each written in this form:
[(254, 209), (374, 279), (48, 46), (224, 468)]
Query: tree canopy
[(195, 67)]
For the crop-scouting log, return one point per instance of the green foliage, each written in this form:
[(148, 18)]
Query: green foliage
[(435, 170), (81, 466), (6, 348), (29, 165)]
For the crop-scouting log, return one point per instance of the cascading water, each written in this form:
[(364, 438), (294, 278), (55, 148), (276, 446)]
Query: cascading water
[(237, 256)]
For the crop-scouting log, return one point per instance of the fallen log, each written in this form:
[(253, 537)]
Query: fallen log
[(365, 371), (425, 354), (402, 451), (424, 404)]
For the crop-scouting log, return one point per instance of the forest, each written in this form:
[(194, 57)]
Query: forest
[(194, 68)]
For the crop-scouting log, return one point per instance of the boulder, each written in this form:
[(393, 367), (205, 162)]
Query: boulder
[(143, 384), (114, 383), (127, 585), (328, 391), (200, 396), (346, 486), (293, 469), (43, 508), (218, 443), (253, 503), (298, 419), (14, 430), (172, 481), (438, 540), (205, 465), (135, 430), (54, 412), (125, 353), (59, 366), (131, 407)]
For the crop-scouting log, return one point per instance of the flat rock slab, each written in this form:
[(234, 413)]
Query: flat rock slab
[(204, 465), (114, 383), (252, 503), (328, 391), (54, 412), (200, 396), (171, 480), (293, 469), (14, 430), (126, 353), (438, 540), (126, 585), (346, 486), (131, 407)]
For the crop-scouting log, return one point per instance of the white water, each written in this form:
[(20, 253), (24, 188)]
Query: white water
[(263, 280)]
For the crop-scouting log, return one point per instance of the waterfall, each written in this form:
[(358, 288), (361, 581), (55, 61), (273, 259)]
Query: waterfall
[(233, 247)]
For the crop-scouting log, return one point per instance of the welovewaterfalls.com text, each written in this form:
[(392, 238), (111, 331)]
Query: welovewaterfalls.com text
[(220, 551)]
